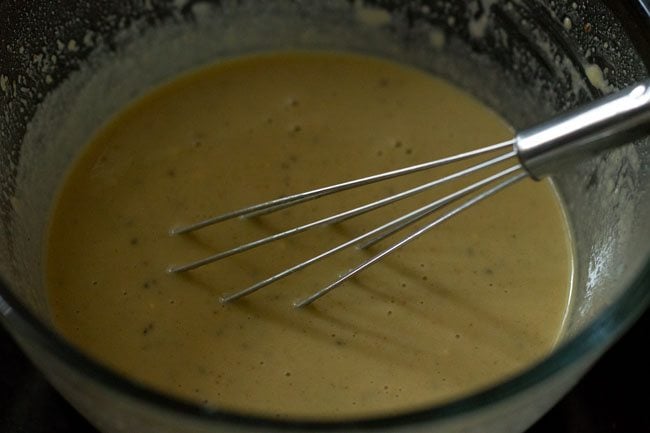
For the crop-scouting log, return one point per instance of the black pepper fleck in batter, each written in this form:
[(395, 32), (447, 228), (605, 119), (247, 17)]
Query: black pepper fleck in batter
[(147, 329)]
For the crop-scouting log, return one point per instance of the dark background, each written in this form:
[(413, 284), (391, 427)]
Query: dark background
[(612, 397)]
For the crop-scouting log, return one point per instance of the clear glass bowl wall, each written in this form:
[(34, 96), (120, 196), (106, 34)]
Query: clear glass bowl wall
[(525, 59)]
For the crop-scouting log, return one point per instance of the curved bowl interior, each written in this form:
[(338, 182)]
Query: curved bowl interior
[(67, 71)]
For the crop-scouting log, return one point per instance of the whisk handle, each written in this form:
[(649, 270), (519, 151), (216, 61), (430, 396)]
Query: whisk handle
[(613, 120)]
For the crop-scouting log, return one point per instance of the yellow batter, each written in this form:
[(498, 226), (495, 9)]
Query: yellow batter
[(475, 300)]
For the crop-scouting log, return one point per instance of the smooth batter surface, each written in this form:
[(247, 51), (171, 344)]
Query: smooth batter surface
[(475, 300)]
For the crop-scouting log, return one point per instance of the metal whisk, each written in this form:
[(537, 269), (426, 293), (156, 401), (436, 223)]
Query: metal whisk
[(536, 152)]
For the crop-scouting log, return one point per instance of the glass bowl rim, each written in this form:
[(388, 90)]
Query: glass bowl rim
[(595, 338)]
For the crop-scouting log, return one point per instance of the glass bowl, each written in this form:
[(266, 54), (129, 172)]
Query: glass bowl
[(65, 68)]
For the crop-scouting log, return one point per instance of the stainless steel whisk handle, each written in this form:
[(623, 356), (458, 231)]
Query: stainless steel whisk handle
[(615, 119)]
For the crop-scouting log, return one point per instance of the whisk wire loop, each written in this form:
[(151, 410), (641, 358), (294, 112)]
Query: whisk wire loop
[(283, 202), (342, 216), (391, 226), (416, 234)]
